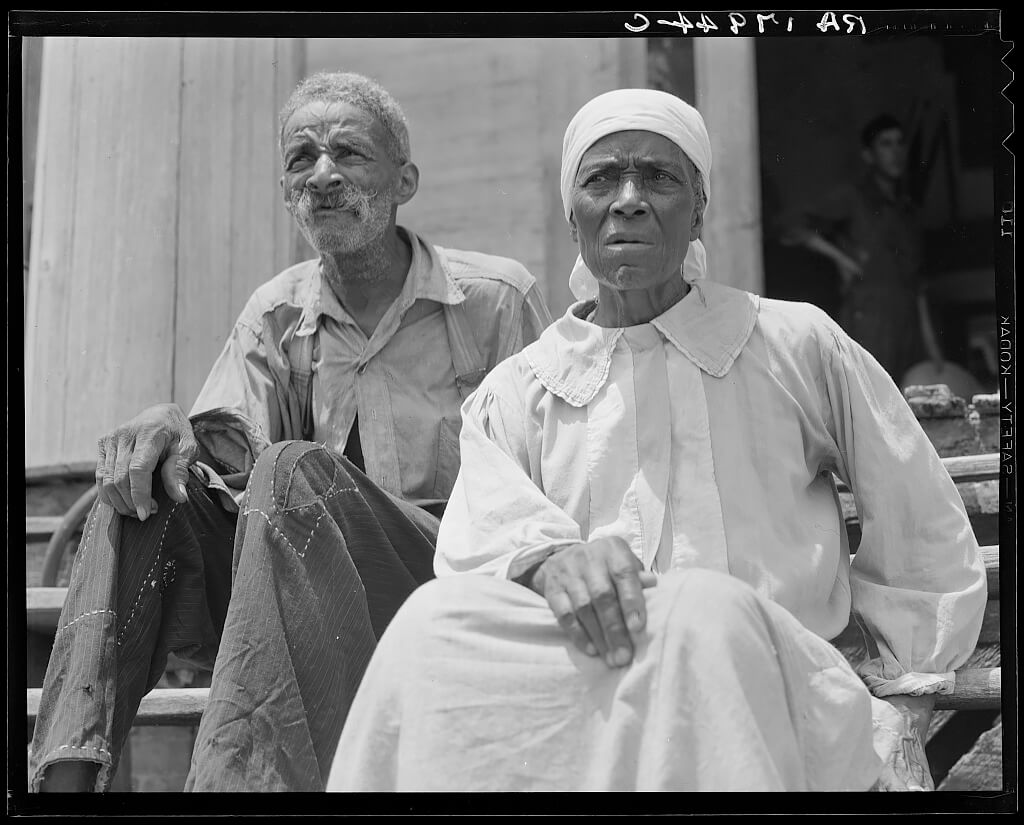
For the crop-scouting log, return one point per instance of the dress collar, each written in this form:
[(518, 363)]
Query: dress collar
[(710, 326)]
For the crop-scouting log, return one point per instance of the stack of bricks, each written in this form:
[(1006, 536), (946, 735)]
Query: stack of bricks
[(955, 426)]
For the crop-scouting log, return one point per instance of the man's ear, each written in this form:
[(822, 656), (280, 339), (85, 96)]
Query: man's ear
[(284, 191), (408, 183), (867, 156)]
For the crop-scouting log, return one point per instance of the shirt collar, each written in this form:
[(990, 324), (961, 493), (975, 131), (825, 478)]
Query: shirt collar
[(429, 279), (710, 326)]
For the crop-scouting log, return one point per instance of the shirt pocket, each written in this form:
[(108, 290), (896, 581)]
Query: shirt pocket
[(447, 461)]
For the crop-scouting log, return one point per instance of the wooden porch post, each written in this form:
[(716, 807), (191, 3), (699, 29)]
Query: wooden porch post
[(726, 85)]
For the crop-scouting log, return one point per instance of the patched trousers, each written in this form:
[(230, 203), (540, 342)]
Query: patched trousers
[(286, 603)]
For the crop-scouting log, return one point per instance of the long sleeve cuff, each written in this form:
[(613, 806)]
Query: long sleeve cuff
[(912, 684), (524, 561)]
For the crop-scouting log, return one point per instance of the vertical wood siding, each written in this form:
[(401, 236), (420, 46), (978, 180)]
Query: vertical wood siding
[(156, 213)]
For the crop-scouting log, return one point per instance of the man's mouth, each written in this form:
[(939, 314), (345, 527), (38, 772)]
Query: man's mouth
[(327, 208)]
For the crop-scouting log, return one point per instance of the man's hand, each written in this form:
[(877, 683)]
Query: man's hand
[(907, 768), (595, 590), (129, 456)]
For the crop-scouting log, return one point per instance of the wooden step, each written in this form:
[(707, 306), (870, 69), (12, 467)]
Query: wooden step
[(163, 706), (41, 528), (43, 606), (976, 689)]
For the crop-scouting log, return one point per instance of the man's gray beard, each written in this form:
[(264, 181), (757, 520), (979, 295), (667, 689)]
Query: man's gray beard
[(372, 210)]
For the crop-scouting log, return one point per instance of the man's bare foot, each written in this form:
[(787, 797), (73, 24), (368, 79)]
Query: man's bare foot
[(69, 776)]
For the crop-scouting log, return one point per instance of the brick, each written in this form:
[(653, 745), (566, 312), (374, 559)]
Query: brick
[(934, 401)]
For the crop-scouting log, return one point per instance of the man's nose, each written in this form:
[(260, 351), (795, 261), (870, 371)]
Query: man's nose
[(325, 175), (629, 200)]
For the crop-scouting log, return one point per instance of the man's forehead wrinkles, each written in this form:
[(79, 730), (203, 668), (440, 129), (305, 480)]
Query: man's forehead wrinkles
[(327, 134)]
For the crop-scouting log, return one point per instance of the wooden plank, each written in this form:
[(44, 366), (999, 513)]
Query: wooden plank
[(32, 69), (290, 63), (98, 337), (163, 706), (230, 203), (976, 689), (40, 528), (984, 656), (966, 468), (43, 606), (57, 149), (63, 471), (981, 768)]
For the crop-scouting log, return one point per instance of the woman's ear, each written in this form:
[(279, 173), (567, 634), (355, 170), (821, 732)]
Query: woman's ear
[(573, 232), (696, 224)]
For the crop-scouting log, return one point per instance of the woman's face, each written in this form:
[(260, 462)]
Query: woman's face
[(633, 209)]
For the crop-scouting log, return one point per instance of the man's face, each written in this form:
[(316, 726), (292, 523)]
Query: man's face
[(633, 209), (888, 154), (339, 182)]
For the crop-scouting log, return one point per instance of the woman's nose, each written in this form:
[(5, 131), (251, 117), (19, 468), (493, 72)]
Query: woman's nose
[(629, 200)]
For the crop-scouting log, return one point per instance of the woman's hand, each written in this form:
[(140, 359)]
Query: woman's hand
[(595, 590)]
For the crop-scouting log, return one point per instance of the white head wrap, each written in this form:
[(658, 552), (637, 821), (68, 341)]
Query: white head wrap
[(635, 109)]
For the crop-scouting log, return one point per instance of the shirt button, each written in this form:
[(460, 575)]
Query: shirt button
[(361, 369)]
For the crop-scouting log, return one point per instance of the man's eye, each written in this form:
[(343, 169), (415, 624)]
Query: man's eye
[(298, 161)]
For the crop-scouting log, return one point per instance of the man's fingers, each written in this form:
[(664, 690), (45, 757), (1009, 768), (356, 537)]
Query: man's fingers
[(141, 467), (122, 465), (101, 466), (174, 474), (561, 605), (107, 478), (174, 470)]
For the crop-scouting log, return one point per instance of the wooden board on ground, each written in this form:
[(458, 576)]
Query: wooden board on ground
[(981, 768)]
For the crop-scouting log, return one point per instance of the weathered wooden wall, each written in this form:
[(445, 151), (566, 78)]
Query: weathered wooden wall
[(486, 119), (156, 212)]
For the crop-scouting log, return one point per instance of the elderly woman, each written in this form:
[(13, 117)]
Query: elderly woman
[(644, 557)]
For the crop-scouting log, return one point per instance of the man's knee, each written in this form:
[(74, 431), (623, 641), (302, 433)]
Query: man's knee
[(298, 474)]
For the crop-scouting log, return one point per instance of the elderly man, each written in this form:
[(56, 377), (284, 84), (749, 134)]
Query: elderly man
[(643, 557), (337, 396)]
